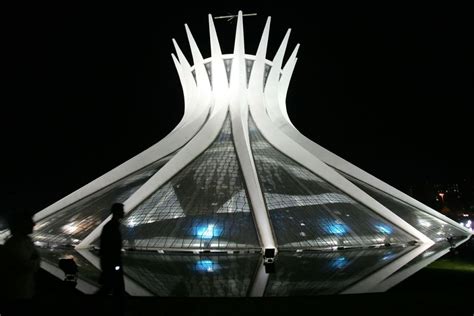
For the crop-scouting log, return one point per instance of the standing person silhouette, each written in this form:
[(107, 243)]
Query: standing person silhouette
[(20, 260), (111, 254)]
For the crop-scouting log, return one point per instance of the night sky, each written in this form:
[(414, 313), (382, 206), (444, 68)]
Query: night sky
[(88, 88)]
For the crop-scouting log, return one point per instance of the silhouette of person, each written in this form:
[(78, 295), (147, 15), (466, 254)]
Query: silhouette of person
[(111, 254), (20, 260)]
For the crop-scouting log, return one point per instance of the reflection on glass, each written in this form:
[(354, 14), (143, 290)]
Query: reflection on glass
[(234, 275), (218, 275), (327, 272), (425, 256)]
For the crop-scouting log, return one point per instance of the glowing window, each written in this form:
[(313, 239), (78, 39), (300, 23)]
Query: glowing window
[(339, 263), (208, 231), (336, 228), (206, 265), (385, 229)]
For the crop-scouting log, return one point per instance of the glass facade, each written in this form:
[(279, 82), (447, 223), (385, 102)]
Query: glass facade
[(308, 212), (189, 275), (266, 73), (233, 275), (69, 226), (431, 226), (228, 67), (204, 206), (248, 68)]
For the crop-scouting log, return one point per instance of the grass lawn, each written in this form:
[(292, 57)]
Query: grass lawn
[(453, 264)]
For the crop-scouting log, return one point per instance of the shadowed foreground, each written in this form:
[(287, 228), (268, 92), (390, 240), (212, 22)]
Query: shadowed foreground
[(359, 304), (430, 291)]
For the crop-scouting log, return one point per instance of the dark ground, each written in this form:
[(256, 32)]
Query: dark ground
[(449, 301)]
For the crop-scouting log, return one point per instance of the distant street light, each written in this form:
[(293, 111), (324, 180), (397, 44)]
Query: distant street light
[(441, 194)]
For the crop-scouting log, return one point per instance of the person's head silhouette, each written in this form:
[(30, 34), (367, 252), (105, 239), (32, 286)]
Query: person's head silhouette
[(20, 224), (117, 211)]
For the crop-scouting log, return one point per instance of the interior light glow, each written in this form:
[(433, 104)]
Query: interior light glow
[(339, 263), (336, 228), (467, 224), (388, 256), (70, 228), (131, 222), (206, 265), (385, 229), (424, 222), (207, 231)]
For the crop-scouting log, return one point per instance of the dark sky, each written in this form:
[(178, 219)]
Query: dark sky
[(388, 89)]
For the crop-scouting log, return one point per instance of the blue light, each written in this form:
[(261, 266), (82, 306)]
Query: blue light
[(339, 263), (207, 266), (336, 229), (384, 229), (389, 256), (207, 231)]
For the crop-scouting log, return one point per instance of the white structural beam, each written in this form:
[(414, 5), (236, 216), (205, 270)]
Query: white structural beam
[(404, 273), (220, 83), (255, 85), (189, 152), (208, 98), (260, 281), (310, 161), (200, 141), (202, 79), (193, 119), (352, 170), (283, 85), (271, 88), (279, 116), (401, 275), (240, 131), (193, 109), (189, 91), (298, 153)]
